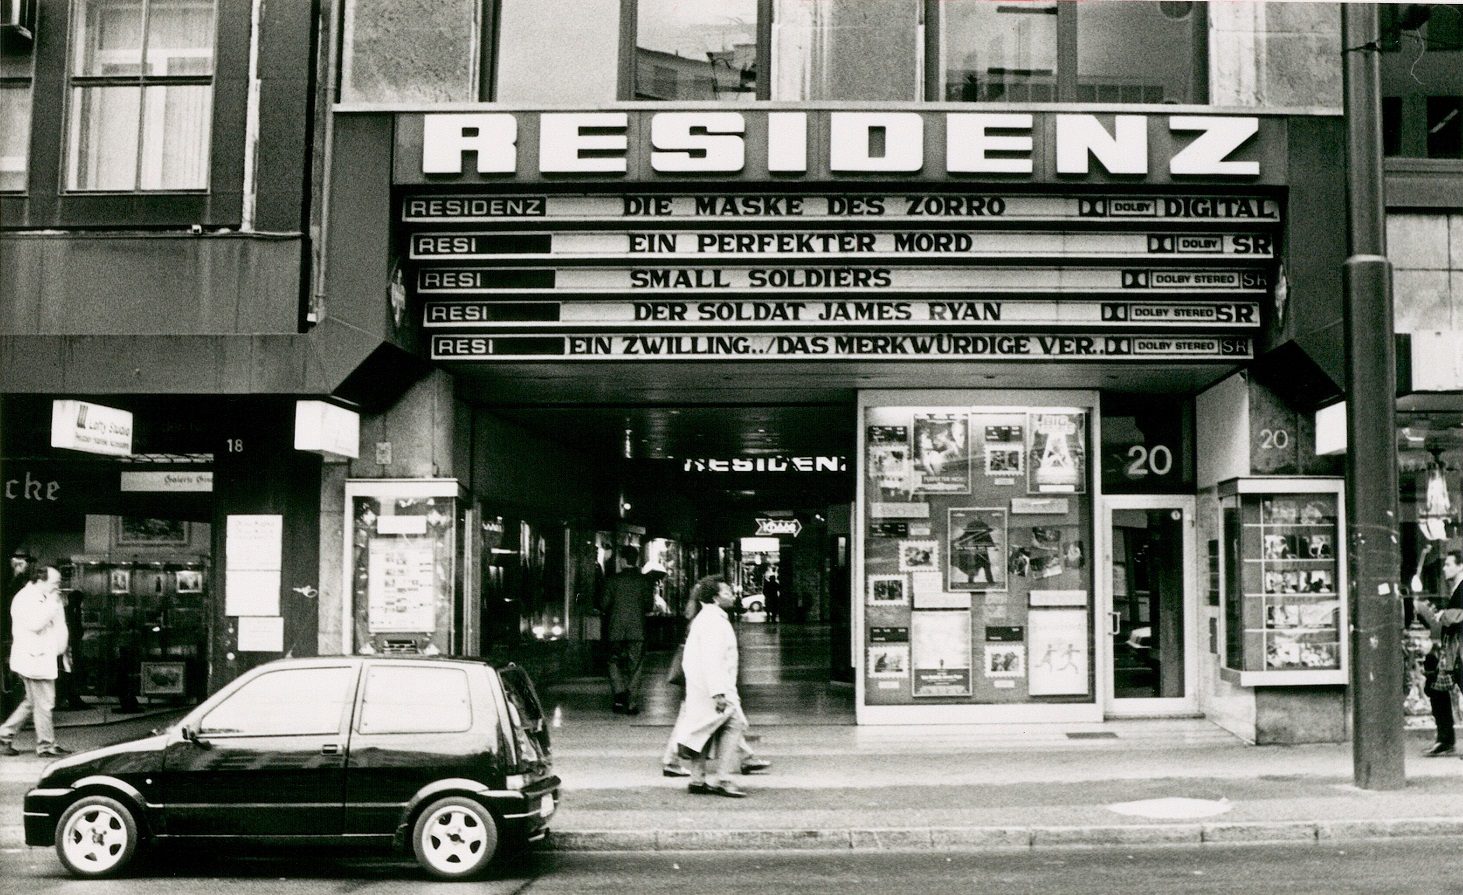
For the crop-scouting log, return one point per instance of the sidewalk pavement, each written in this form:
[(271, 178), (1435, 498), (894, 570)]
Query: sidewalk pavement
[(947, 787)]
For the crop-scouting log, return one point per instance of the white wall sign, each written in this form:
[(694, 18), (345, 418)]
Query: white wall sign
[(327, 429), (261, 635), (92, 428), (254, 542), (176, 480)]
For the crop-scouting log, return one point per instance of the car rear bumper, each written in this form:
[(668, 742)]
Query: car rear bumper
[(42, 809), (525, 813)]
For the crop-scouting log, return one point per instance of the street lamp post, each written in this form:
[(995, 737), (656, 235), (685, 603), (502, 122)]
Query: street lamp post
[(1371, 394)]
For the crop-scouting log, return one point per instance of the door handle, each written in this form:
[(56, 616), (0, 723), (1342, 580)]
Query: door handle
[(1114, 623), (330, 749)]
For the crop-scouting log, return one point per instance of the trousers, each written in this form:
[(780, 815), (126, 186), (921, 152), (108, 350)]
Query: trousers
[(40, 700), (627, 657)]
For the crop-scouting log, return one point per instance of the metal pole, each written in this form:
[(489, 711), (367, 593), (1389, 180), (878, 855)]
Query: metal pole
[(1371, 463)]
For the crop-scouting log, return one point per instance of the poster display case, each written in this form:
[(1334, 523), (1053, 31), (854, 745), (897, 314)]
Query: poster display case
[(1284, 581), (401, 559), (973, 556)]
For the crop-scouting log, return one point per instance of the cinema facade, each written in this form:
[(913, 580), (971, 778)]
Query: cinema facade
[(1074, 352)]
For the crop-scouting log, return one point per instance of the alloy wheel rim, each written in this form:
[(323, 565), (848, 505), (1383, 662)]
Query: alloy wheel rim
[(95, 838), (454, 838)]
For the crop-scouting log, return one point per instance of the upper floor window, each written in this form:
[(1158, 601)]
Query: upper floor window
[(1422, 80), (697, 51), (856, 50), (17, 71), (1118, 51), (141, 95)]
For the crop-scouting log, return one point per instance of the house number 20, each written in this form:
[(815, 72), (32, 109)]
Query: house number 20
[(1144, 461)]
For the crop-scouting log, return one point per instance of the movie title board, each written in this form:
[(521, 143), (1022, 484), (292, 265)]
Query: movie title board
[(786, 314), (660, 279), (839, 346), (1013, 208), (792, 244)]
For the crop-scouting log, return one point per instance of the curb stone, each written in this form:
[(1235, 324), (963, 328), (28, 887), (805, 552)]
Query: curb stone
[(1005, 838)]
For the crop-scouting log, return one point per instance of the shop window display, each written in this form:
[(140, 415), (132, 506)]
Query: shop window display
[(976, 555), (1285, 615)]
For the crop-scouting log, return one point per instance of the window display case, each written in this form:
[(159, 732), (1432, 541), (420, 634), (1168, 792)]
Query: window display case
[(1284, 570), (972, 551)]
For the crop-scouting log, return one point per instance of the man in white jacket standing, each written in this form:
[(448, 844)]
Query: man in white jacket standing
[(712, 714), (38, 625)]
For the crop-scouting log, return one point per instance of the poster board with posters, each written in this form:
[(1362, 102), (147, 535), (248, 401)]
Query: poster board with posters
[(981, 543)]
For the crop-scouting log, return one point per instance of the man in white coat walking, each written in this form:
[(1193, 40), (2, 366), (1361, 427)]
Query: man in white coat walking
[(38, 625), (712, 715)]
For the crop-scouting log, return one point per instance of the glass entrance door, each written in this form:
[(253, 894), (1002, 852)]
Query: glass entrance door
[(1149, 605)]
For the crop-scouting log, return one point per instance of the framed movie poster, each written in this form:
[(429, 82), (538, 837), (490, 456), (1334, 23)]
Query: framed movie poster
[(976, 549), (1059, 662), (941, 453), (1005, 660), (1057, 452), (887, 590), (1002, 444), (888, 457), (940, 652), (888, 660), (919, 556)]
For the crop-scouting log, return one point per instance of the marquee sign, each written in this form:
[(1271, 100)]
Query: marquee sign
[(761, 145), (792, 244), (925, 207), (838, 346), (786, 314), (825, 234), (656, 278)]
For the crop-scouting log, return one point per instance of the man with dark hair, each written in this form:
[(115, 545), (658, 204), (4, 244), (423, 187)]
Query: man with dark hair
[(1441, 667), (39, 622), (629, 595)]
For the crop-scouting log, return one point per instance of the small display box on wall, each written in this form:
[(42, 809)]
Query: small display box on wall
[(1284, 581)]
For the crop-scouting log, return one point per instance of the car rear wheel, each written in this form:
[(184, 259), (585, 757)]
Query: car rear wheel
[(455, 838), (96, 837)]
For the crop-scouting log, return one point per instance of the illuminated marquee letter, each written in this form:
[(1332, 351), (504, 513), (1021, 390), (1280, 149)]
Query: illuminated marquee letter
[(493, 137), (1218, 137), (968, 143), (787, 142), (850, 135), (697, 141), (1123, 152), (562, 142)]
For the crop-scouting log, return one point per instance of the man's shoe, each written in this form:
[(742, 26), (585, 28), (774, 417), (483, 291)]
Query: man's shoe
[(673, 770), (728, 789), (1439, 749), (755, 765), (53, 750), (698, 789), (8, 748)]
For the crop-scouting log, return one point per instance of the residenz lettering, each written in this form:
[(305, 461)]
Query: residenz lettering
[(857, 142)]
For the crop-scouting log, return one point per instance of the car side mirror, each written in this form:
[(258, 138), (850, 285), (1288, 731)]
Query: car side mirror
[(191, 736)]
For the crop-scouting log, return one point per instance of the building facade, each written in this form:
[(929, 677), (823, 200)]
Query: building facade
[(1056, 309)]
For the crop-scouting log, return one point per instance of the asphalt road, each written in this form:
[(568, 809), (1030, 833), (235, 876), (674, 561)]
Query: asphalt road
[(1410, 866)]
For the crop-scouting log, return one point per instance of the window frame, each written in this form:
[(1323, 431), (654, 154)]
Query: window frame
[(28, 84), (47, 206), (629, 35), (142, 81)]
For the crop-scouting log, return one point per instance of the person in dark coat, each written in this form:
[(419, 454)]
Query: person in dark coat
[(629, 595), (1440, 667)]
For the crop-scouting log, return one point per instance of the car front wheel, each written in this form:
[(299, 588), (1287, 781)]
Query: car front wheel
[(455, 838), (96, 837)]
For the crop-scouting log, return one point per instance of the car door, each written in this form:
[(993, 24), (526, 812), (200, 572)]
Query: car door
[(415, 723), (267, 760)]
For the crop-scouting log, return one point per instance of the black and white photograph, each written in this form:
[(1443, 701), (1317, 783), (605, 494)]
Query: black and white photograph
[(772, 445)]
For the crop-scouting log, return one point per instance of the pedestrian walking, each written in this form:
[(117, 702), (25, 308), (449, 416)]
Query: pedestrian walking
[(38, 625), (1441, 667), (711, 718), (629, 595)]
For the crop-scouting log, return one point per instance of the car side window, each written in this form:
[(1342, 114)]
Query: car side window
[(415, 699), (291, 702)]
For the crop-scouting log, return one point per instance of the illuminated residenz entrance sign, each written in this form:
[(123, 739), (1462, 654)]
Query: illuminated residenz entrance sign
[(640, 235)]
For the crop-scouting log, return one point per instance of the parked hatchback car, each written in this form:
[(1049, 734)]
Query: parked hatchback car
[(446, 758)]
